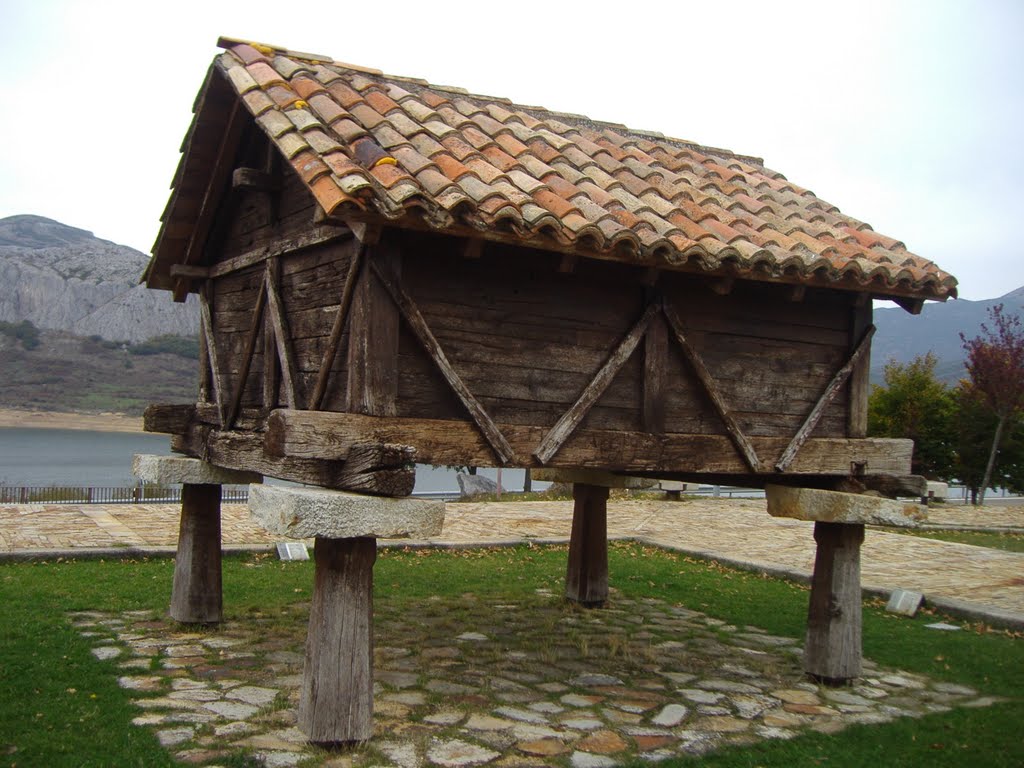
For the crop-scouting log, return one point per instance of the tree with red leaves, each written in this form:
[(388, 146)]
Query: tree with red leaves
[(995, 362)]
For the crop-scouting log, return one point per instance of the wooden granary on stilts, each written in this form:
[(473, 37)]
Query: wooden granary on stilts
[(393, 272)]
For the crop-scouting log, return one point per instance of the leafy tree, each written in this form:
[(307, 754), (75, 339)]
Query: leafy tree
[(974, 425), (995, 363), (914, 404), (183, 346), (25, 332)]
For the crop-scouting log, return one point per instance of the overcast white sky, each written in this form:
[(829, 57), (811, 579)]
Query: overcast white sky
[(907, 115)]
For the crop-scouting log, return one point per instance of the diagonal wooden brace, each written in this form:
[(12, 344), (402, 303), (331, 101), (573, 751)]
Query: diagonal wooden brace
[(826, 397), (571, 419), (419, 327), (732, 428)]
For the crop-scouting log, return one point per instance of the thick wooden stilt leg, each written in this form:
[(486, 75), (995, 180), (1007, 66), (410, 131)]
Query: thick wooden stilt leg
[(196, 596), (586, 577), (832, 651), (336, 701)]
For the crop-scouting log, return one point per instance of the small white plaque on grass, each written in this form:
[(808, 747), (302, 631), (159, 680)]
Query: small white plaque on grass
[(904, 602), (292, 550), (943, 626)]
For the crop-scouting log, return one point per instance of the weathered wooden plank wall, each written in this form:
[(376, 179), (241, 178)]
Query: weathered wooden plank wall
[(527, 337)]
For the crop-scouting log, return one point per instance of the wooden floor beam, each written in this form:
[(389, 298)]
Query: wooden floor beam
[(330, 435)]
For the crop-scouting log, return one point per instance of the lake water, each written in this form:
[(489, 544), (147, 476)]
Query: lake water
[(76, 457)]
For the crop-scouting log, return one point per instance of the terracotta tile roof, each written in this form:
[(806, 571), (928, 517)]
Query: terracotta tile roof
[(370, 145)]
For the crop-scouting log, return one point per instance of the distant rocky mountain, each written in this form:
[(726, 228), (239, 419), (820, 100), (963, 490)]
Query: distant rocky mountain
[(66, 279), (902, 336)]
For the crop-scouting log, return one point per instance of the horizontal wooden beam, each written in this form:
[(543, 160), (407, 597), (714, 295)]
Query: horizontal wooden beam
[(850, 285), (169, 419), (913, 306), (190, 272), (329, 435), (889, 485), (308, 239), (254, 179)]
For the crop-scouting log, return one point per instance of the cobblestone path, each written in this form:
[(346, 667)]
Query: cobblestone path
[(471, 681)]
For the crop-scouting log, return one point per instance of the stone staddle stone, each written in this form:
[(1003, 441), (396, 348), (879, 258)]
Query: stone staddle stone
[(592, 477), (169, 470), (834, 507), (304, 513)]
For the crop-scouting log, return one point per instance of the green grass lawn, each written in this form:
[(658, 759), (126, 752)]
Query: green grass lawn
[(1010, 542), (62, 707)]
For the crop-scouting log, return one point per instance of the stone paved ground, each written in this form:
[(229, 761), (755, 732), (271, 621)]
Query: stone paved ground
[(737, 529), (24, 527), (473, 681)]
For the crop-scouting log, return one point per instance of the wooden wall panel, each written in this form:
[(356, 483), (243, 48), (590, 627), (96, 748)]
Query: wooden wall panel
[(527, 339)]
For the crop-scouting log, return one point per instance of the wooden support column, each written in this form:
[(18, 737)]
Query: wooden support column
[(586, 577), (832, 649), (196, 597), (336, 701)]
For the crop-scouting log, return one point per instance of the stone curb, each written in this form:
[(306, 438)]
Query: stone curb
[(957, 608), (967, 528)]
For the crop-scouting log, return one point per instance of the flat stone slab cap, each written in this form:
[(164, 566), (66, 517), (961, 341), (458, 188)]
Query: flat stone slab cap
[(303, 513), (834, 507), (168, 470), (592, 477), (676, 486)]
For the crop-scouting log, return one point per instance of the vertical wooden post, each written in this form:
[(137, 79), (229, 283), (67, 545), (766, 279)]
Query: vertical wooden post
[(586, 577), (196, 597), (336, 701), (271, 365), (373, 338), (832, 650), (860, 378), (655, 375)]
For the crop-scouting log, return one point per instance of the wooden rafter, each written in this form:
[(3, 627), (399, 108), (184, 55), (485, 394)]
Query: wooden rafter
[(732, 428), (425, 336), (247, 355), (285, 354), (206, 323), (571, 419), (324, 374), (219, 179), (826, 397)]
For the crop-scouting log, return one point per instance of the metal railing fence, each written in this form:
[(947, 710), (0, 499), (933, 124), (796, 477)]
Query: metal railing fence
[(129, 494)]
